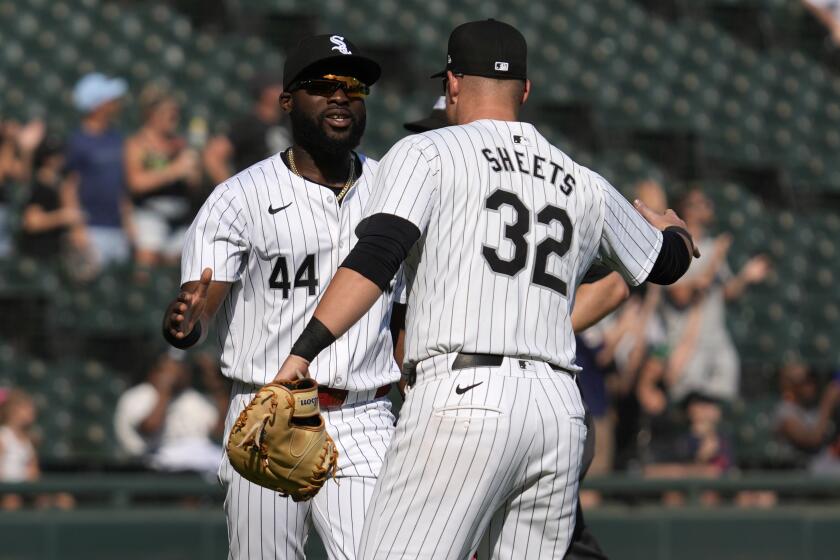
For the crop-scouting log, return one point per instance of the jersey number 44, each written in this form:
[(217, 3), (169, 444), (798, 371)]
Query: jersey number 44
[(305, 277)]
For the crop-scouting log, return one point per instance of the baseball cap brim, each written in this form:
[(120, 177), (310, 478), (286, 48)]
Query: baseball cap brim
[(361, 67)]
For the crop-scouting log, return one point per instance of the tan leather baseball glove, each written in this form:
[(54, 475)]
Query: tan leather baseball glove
[(279, 441)]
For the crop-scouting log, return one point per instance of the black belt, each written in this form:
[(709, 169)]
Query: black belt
[(465, 361)]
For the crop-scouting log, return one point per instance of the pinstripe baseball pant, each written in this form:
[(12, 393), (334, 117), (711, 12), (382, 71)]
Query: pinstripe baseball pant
[(483, 460)]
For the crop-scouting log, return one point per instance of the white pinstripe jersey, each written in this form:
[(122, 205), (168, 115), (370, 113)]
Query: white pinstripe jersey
[(279, 239), (509, 224)]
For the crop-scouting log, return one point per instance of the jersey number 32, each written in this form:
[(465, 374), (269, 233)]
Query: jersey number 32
[(516, 233)]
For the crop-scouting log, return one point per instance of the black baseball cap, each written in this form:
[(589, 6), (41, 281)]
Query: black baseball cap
[(328, 54), (488, 48), (436, 119)]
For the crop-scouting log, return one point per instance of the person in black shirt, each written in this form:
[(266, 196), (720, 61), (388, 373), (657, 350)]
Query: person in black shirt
[(17, 146), (251, 138), (161, 172), (47, 215)]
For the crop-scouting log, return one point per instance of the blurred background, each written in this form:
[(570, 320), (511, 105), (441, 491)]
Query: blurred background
[(715, 400)]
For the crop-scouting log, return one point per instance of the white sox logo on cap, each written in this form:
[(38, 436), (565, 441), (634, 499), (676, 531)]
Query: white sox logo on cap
[(340, 45)]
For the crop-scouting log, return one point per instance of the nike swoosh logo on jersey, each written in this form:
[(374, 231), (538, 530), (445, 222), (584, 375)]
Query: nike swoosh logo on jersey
[(461, 390), (275, 210)]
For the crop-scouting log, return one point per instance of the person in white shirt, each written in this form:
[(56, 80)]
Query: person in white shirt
[(169, 424), (18, 457)]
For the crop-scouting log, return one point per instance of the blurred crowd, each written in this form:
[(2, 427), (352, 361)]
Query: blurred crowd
[(662, 373), (659, 374), (100, 197)]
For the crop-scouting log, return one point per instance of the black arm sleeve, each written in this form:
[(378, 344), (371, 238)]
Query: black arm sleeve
[(384, 242), (314, 338), (673, 259), (187, 341)]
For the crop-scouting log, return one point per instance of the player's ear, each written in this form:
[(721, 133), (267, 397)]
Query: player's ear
[(453, 87), (526, 92), (286, 102)]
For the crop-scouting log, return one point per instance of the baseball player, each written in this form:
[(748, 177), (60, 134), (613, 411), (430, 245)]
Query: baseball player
[(496, 228), (257, 259), (600, 293)]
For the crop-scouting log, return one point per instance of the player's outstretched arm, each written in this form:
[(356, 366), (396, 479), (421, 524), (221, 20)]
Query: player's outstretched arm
[(188, 317)]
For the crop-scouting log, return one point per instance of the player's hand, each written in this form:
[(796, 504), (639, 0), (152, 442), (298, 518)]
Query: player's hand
[(186, 310), (663, 221), (293, 368)]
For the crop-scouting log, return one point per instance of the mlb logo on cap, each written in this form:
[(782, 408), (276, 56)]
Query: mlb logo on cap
[(502, 66)]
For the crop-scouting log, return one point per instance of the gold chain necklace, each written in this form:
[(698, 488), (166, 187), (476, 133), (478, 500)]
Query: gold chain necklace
[(351, 174)]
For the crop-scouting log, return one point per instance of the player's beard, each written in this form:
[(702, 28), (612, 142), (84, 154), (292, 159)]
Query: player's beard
[(309, 132)]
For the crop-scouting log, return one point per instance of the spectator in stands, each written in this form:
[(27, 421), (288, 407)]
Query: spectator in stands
[(18, 458), (804, 419), (828, 13), (160, 172), (48, 214), (95, 155), (167, 423), (252, 138), (17, 145), (712, 365), (700, 451)]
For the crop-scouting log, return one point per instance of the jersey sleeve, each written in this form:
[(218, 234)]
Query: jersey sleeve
[(629, 244), (218, 238), (406, 184)]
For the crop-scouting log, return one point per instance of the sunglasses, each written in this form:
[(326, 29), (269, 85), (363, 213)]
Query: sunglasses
[(330, 83)]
